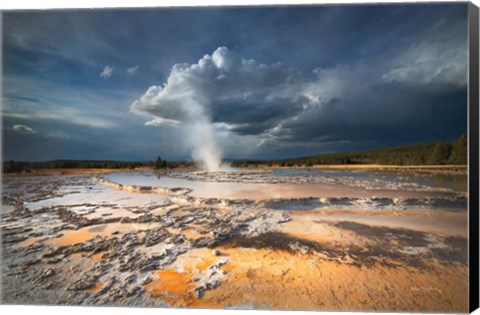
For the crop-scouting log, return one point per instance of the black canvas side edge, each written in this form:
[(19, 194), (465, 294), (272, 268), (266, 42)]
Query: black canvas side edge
[(473, 173)]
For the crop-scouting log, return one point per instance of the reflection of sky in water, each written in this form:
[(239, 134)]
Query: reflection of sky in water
[(218, 189), (456, 182), (356, 187), (102, 200), (98, 197)]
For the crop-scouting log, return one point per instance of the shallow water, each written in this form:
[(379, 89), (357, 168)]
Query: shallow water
[(276, 189), (452, 181), (97, 200), (293, 183)]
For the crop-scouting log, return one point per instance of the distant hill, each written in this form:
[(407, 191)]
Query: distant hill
[(435, 153)]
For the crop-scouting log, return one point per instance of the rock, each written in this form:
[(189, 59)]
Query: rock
[(199, 292), (147, 280), (132, 291), (220, 262), (302, 249), (130, 279), (211, 278), (216, 252), (47, 273), (347, 259), (203, 242), (83, 284)]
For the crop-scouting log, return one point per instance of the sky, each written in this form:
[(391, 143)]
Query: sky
[(269, 82)]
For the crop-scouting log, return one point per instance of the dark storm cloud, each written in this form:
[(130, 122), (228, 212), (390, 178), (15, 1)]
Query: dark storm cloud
[(412, 115), (294, 80), (410, 98), (259, 115)]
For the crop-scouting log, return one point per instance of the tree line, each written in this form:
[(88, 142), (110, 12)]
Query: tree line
[(23, 166), (436, 153)]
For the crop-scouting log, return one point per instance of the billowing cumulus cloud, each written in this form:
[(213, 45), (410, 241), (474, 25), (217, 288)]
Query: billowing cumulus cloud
[(106, 72), (24, 128), (247, 96), (231, 89)]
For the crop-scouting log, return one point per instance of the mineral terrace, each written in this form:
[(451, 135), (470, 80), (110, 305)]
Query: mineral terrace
[(84, 239)]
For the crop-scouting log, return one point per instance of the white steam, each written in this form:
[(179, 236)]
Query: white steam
[(219, 86), (193, 94), (205, 149), (201, 138), (188, 107)]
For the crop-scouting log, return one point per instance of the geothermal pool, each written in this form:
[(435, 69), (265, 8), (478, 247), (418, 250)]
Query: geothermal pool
[(299, 188), (358, 179)]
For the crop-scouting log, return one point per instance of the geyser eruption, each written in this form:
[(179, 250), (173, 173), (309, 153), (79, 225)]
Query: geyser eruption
[(223, 88), (205, 149), (183, 101), (187, 107), (201, 135)]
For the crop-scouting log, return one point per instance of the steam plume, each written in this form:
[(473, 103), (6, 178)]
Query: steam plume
[(205, 150), (219, 86)]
